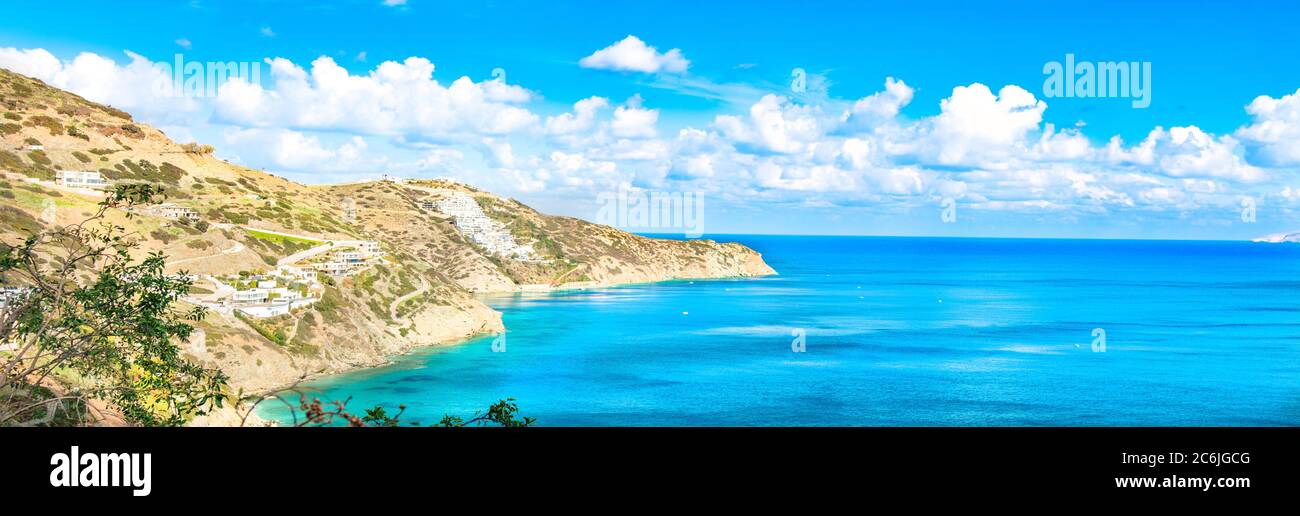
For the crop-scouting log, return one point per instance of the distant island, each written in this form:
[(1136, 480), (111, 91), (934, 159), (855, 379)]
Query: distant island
[(1278, 238)]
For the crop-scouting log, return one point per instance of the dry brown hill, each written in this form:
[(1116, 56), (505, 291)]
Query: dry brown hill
[(423, 293)]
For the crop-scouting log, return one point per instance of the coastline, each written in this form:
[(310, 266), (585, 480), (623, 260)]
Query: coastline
[(391, 358), (386, 359), (579, 343)]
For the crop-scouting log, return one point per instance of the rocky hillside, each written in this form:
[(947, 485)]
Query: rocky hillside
[(569, 252), (422, 292)]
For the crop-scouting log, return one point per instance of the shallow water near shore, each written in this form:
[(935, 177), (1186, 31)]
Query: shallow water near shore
[(898, 331)]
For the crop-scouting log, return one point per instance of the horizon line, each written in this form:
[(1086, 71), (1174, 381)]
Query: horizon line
[(705, 236)]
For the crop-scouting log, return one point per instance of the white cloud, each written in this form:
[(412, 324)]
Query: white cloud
[(582, 119), (633, 121), (35, 62), (1274, 129), (395, 99), (881, 107), (184, 43), (632, 54), (500, 152), (266, 31), (992, 150), (974, 125), (138, 87), (775, 124), (295, 151), (1188, 152)]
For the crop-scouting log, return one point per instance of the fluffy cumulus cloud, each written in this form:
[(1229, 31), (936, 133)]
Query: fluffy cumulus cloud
[(987, 146), (632, 54), (285, 149), (1189, 152), (775, 124), (139, 86), (633, 121), (880, 108), (1275, 129), (976, 126), (395, 99), (582, 119)]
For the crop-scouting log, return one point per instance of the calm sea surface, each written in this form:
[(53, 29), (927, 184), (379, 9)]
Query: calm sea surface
[(898, 331)]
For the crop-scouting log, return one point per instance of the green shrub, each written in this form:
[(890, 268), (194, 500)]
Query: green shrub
[(162, 236), (47, 122), (39, 157), (76, 133), (171, 173), (276, 336), (112, 111), (196, 148)]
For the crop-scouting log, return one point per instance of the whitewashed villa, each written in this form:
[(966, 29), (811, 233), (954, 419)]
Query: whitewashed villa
[(80, 179), (481, 229)]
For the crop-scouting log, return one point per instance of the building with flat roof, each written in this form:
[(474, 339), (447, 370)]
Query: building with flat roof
[(81, 179), (175, 211), (256, 295)]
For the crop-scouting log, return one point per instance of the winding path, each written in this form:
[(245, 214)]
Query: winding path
[(236, 248), (392, 307), (559, 280), (299, 256)]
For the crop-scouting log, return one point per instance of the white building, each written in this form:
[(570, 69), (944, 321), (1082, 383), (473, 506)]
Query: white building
[(351, 256), (296, 274), (80, 179), (277, 307), (284, 294), (10, 295), (255, 295), (333, 267), (370, 247), (174, 211), (481, 229)]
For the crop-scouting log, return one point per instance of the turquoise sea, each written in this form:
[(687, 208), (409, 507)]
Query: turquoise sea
[(897, 331)]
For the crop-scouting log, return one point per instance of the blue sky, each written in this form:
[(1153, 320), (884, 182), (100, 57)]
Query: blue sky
[(719, 117)]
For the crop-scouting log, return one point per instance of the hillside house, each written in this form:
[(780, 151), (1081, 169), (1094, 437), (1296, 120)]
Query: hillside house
[(251, 296), (174, 211), (481, 229), (10, 295), (81, 179), (296, 274)]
